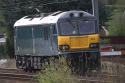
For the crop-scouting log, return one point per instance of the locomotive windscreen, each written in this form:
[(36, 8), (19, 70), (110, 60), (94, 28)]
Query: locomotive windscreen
[(80, 27)]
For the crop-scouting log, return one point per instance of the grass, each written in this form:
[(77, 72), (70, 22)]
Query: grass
[(61, 73), (57, 74)]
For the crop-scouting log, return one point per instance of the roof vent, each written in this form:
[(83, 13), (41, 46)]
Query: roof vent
[(56, 13), (71, 15), (32, 16), (81, 14)]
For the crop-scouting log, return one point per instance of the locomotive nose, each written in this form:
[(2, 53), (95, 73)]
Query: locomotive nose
[(79, 42), (74, 43)]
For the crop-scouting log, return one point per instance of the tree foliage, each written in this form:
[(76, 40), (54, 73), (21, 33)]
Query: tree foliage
[(104, 13), (117, 21), (15, 9), (114, 23), (120, 2)]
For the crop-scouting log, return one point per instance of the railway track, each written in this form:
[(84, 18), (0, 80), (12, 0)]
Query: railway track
[(114, 59), (17, 71), (112, 71), (15, 74), (99, 78), (105, 76)]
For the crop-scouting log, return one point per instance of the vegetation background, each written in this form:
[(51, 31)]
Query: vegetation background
[(111, 14)]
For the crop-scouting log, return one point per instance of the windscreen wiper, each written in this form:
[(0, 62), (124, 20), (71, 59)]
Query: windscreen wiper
[(74, 26)]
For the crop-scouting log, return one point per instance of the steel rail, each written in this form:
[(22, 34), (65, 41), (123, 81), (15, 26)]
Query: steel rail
[(16, 74)]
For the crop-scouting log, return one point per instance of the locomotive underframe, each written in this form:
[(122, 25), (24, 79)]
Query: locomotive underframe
[(80, 61)]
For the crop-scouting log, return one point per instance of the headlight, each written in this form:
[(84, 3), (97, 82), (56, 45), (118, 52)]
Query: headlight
[(64, 47), (94, 45)]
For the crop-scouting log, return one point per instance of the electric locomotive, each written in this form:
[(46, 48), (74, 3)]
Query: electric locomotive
[(38, 37)]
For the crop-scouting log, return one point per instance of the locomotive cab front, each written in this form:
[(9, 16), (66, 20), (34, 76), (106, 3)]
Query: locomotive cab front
[(77, 33)]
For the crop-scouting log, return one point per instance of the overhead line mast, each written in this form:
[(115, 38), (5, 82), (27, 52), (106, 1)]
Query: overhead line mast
[(95, 10)]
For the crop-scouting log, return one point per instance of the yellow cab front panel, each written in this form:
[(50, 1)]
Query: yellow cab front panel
[(78, 42)]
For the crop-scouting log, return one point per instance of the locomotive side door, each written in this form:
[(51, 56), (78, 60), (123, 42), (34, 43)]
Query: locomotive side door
[(54, 44), (23, 41), (42, 36)]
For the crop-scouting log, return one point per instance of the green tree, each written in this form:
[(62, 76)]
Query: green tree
[(120, 2), (15, 9), (117, 21), (2, 24), (104, 13)]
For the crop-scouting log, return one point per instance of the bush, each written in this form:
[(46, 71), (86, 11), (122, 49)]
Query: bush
[(2, 51), (57, 73), (106, 41)]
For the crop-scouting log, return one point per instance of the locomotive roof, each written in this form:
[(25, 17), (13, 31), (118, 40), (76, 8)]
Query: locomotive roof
[(50, 19)]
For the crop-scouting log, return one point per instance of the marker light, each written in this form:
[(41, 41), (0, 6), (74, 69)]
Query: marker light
[(94, 45), (64, 47)]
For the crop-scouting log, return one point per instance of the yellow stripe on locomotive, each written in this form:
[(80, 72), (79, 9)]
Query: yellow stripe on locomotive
[(74, 43)]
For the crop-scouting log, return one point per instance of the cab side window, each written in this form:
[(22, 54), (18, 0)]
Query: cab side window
[(54, 30), (46, 33)]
